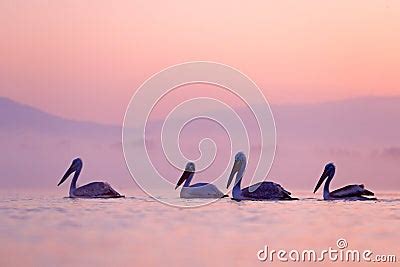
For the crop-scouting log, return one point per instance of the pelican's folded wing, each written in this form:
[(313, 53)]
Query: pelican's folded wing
[(96, 189), (351, 191), (266, 190)]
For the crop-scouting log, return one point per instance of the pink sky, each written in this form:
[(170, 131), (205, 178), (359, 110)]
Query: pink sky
[(84, 59)]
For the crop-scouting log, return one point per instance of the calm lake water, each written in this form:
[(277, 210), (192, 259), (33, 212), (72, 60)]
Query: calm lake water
[(39, 229)]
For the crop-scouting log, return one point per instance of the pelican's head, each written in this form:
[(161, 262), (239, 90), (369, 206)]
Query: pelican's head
[(189, 170), (190, 167), (329, 171), (240, 160), (76, 165)]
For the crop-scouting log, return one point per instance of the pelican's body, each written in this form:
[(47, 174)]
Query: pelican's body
[(349, 192), (199, 190), (91, 190), (260, 191)]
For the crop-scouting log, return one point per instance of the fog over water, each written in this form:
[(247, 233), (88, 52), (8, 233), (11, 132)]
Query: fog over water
[(360, 136)]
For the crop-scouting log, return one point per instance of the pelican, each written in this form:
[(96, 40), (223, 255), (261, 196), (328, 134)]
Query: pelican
[(260, 191), (92, 190), (199, 190), (349, 192)]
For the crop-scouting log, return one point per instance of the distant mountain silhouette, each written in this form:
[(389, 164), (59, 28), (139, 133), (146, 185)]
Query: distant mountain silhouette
[(37, 147), (18, 117), (352, 121)]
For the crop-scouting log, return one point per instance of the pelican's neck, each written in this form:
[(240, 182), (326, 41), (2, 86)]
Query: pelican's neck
[(188, 180), (74, 179), (237, 192), (326, 185)]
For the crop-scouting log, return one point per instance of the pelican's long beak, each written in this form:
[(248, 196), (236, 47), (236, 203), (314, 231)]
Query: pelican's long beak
[(183, 178), (67, 173), (321, 180), (235, 169)]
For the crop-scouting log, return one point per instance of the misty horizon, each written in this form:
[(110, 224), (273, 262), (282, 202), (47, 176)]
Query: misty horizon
[(39, 144)]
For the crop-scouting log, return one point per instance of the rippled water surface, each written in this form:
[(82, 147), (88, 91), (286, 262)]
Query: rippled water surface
[(41, 230)]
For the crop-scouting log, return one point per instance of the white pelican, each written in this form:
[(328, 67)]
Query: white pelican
[(199, 190), (349, 192), (92, 190), (259, 191)]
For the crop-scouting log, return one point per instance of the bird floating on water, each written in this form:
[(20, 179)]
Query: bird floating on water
[(349, 192), (260, 191), (199, 190), (91, 190)]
